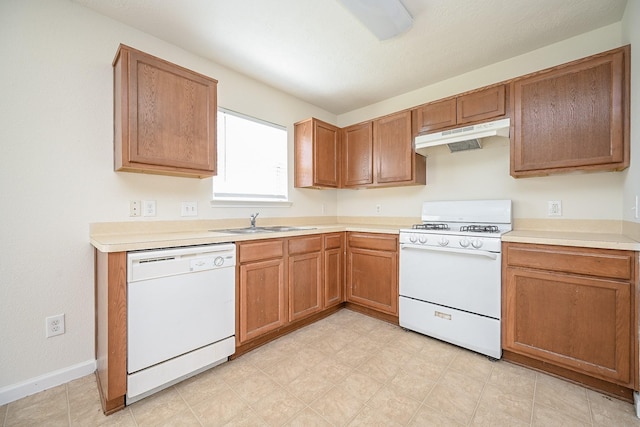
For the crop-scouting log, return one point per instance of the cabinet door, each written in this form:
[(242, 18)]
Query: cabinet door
[(481, 105), (434, 116), (579, 323), (305, 276), (165, 117), (357, 155), (262, 302), (393, 148), (333, 269), (372, 272), (573, 117), (316, 154)]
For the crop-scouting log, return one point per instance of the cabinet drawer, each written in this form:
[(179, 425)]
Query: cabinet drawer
[(590, 262), (333, 241), (303, 245), (381, 242), (261, 250)]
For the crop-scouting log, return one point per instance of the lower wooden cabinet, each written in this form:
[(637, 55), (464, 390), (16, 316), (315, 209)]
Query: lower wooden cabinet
[(282, 282), (333, 277), (305, 276), (372, 271), (574, 308), (261, 288)]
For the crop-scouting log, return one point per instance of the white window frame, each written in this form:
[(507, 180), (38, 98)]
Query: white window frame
[(239, 199)]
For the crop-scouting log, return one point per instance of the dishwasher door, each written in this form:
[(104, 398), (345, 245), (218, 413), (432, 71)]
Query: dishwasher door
[(178, 301)]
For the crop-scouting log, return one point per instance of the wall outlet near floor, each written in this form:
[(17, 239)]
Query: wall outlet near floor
[(134, 208), (189, 209), (148, 208), (54, 325), (554, 208)]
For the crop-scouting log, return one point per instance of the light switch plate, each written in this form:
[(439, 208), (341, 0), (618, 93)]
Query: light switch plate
[(189, 209)]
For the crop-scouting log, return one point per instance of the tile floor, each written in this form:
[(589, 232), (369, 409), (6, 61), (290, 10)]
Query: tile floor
[(347, 369)]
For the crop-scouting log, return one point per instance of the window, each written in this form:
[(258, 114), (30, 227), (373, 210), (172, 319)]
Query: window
[(252, 159)]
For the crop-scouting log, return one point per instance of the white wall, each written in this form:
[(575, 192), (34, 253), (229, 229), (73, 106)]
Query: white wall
[(631, 32), (56, 171), (485, 173)]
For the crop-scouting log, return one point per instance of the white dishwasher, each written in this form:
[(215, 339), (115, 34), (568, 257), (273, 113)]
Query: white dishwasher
[(180, 314)]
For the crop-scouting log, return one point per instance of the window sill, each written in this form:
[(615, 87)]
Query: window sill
[(237, 203)]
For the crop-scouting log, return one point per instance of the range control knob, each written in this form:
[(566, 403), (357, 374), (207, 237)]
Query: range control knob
[(413, 238), (464, 243), (443, 241), (477, 243), (422, 239)]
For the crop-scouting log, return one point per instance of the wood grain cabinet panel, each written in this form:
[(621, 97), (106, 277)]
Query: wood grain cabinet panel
[(164, 117), (261, 294), (305, 276), (570, 316), (357, 155), (334, 271), (372, 271), (317, 154), (573, 117), (469, 108)]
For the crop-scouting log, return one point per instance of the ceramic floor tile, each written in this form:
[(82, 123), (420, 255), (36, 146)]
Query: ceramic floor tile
[(472, 364), (49, 407), (563, 396), (500, 406), (427, 416), (351, 369), (607, 411), (337, 406), (455, 396), (544, 416), (308, 418), (515, 378), (278, 408), (394, 405), (161, 406)]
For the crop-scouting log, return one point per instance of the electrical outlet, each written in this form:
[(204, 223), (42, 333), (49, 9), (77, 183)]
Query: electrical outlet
[(148, 208), (554, 208), (189, 209), (54, 325), (134, 208), (322, 209), (636, 215), (378, 209)]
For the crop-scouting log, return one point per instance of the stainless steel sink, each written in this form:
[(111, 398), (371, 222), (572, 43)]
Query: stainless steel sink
[(271, 229)]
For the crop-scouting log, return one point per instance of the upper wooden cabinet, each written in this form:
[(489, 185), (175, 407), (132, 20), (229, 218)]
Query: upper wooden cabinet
[(385, 147), (317, 154), (357, 155), (164, 117), (471, 107), (396, 161), (573, 117)]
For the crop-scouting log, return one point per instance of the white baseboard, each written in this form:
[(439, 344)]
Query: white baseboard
[(43, 382)]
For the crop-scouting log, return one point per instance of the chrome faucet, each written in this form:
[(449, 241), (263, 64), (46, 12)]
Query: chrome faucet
[(253, 219)]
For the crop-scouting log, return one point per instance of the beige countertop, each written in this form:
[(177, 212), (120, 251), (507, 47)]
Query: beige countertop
[(573, 238), (131, 236), (131, 240)]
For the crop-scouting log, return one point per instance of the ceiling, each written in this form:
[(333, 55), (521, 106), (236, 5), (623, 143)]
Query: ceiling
[(317, 51)]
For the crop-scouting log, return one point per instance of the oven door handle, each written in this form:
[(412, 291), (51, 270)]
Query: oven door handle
[(487, 254)]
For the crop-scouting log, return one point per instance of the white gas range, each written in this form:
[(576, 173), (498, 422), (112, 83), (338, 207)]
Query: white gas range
[(450, 273)]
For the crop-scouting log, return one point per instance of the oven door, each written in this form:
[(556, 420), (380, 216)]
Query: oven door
[(468, 280)]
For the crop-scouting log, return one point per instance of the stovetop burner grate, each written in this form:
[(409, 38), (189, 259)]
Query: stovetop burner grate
[(431, 226), (480, 228)]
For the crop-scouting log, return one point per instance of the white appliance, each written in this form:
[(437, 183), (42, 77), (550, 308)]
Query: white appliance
[(180, 314), (450, 273), (463, 138)]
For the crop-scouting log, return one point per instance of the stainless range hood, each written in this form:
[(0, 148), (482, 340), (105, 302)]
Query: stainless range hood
[(465, 138)]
